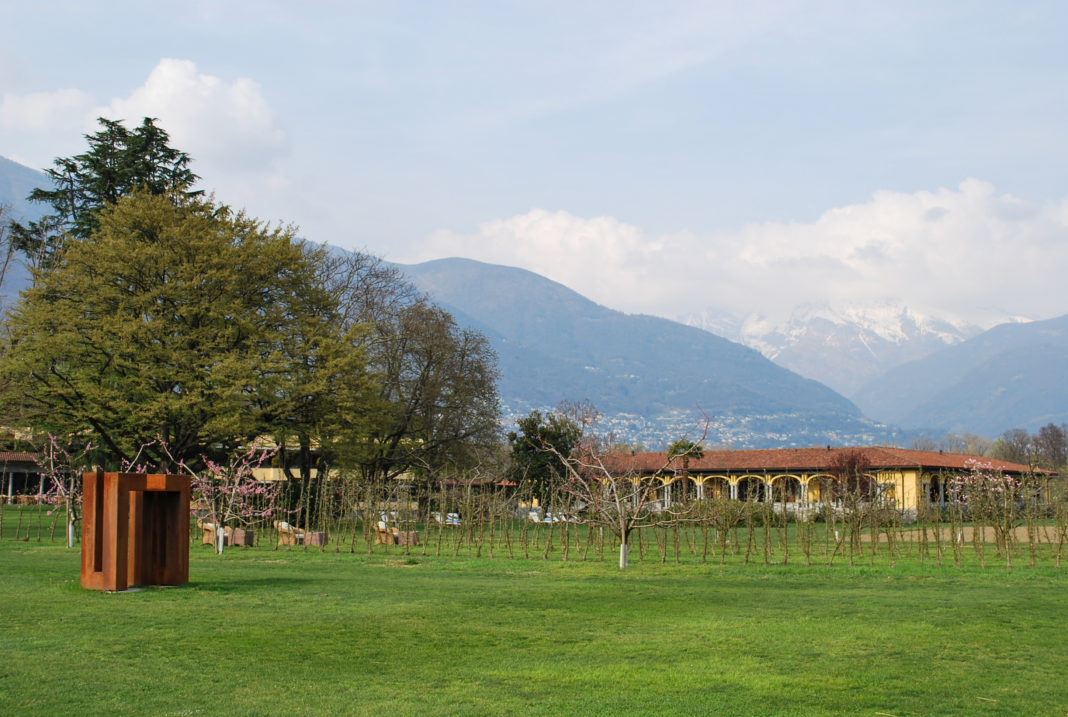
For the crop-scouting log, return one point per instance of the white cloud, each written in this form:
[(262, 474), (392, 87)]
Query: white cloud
[(227, 125), (42, 111), (38, 126), (966, 250)]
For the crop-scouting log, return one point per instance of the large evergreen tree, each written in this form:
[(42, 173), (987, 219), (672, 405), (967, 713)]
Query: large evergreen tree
[(157, 313), (180, 319), (118, 161)]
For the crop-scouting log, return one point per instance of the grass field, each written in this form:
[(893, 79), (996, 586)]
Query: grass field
[(260, 631)]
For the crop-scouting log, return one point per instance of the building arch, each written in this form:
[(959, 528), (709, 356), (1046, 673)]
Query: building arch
[(820, 488), (936, 490), (786, 488), (659, 493), (681, 489), (715, 487), (751, 488)]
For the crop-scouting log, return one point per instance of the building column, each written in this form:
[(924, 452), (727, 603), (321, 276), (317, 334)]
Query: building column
[(733, 490)]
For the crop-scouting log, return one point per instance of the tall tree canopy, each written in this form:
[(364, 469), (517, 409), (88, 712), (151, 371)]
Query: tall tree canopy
[(436, 405), (176, 318), (155, 312), (117, 162), (1051, 446), (1013, 445), (537, 447)]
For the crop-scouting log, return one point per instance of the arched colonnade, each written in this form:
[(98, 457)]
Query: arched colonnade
[(786, 488)]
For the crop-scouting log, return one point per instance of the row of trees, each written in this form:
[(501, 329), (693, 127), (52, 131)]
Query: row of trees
[(166, 329), (598, 502), (160, 317), (1045, 448)]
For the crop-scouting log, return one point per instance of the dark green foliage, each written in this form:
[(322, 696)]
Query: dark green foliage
[(117, 162), (157, 314), (532, 460), (176, 319), (686, 450)]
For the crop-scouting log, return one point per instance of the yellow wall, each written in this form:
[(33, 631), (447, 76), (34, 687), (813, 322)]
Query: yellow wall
[(904, 485)]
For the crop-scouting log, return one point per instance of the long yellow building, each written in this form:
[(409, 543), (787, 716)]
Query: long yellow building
[(908, 478)]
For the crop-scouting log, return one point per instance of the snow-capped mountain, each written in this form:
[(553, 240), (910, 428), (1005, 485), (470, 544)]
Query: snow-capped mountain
[(845, 347)]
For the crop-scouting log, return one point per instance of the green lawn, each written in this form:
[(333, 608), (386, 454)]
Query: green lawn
[(259, 631)]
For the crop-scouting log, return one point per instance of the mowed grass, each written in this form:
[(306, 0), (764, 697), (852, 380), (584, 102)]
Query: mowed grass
[(260, 631)]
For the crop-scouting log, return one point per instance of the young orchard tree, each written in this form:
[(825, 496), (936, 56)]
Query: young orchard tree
[(615, 489), (232, 494), (685, 450), (857, 492), (62, 462)]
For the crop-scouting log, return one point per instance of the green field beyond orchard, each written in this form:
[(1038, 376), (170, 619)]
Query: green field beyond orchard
[(292, 631)]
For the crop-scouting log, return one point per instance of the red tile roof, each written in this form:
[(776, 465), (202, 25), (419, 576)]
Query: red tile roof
[(805, 459), (17, 457)]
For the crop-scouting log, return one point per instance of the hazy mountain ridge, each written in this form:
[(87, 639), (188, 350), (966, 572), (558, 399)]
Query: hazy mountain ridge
[(901, 366), (16, 183), (1009, 376), (554, 344), (845, 347)]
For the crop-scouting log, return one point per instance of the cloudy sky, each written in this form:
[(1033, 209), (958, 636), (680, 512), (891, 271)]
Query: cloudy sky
[(664, 157)]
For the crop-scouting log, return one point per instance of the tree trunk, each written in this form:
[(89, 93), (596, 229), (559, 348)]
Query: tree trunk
[(622, 554), (70, 526)]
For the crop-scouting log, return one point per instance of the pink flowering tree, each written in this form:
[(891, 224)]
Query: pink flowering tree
[(230, 493), (62, 462), (989, 495)]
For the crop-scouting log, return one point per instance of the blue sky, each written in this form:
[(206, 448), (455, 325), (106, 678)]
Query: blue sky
[(663, 158)]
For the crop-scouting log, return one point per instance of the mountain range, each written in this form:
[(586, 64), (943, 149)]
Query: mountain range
[(652, 377), (1011, 376), (554, 344), (847, 346), (16, 183)]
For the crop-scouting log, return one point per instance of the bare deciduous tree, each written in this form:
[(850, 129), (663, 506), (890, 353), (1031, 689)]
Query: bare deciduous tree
[(615, 491)]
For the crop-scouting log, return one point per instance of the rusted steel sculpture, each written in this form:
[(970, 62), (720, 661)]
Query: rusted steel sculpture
[(135, 530)]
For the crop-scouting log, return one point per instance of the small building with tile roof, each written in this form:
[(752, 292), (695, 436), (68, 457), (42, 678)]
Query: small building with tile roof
[(19, 475)]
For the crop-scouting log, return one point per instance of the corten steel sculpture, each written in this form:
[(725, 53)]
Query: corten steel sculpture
[(135, 530)]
